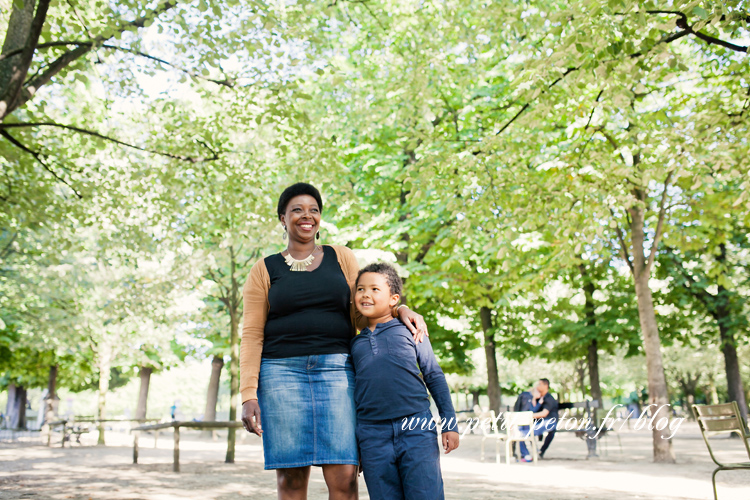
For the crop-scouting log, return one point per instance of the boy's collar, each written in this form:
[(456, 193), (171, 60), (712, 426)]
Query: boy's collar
[(380, 326)]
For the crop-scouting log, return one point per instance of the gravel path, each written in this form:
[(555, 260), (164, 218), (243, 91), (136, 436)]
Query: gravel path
[(94, 472)]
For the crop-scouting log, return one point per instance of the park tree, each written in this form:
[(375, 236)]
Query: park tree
[(586, 312), (704, 260), (639, 56), (39, 310), (227, 224)]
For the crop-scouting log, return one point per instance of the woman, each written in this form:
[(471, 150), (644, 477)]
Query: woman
[(296, 379)]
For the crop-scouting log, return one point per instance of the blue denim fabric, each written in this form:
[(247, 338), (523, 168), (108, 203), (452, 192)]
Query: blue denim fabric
[(540, 427), (307, 411), (400, 463)]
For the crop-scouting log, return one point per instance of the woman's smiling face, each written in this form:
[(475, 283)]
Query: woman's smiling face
[(302, 218)]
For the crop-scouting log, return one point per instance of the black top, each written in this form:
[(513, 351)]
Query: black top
[(388, 385), (547, 403), (309, 310)]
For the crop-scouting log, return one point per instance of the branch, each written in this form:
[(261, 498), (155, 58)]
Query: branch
[(588, 123), (62, 43), (667, 39), (253, 256), (222, 288), (68, 57), (226, 83), (11, 94), (91, 45), (191, 159), (682, 23), (715, 41), (528, 105), (8, 250), (38, 157), (525, 106), (623, 247), (377, 19), (659, 224)]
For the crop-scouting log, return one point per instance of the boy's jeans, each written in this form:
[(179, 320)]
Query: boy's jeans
[(400, 463)]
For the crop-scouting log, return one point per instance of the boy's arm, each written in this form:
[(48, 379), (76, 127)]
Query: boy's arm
[(434, 379)]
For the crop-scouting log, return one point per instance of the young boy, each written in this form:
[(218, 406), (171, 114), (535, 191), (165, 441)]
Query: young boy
[(397, 438)]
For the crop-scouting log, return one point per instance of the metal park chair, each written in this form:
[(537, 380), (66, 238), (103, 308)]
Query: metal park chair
[(491, 431), (513, 434), (722, 419)]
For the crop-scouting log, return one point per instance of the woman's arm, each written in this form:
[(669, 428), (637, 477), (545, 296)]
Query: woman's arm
[(254, 315), (412, 320)]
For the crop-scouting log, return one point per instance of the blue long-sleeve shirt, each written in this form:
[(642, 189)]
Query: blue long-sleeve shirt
[(387, 363)]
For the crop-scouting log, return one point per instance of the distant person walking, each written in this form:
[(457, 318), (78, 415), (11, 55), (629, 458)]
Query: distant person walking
[(297, 378)]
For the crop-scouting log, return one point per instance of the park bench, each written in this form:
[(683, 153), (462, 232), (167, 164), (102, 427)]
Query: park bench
[(722, 419), (77, 430), (175, 426), (70, 428)]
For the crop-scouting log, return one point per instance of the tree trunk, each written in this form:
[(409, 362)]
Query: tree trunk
[(723, 316), (145, 376), (580, 367), (592, 356), (50, 402), (235, 299), (212, 397), (657, 382), (593, 365), (234, 386), (689, 385), (474, 399), (735, 389), (493, 379), (16, 407), (25, 26), (16, 36), (10, 405), (104, 368)]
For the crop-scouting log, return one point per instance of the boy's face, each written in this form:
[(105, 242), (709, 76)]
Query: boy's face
[(373, 296)]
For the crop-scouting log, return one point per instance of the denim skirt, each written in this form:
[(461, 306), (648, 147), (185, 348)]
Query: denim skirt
[(307, 411)]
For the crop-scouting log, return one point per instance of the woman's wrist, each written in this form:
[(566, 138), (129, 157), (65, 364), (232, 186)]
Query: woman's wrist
[(395, 309)]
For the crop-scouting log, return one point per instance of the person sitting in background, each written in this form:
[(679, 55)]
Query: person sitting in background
[(523, 403), (545, 410)]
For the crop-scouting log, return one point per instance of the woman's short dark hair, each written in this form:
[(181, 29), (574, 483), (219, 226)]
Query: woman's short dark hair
[(296, 190), (387, 270)]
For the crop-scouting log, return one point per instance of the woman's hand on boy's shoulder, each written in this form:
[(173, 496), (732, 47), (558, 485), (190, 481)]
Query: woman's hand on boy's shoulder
[(414, 322), (450, 441)]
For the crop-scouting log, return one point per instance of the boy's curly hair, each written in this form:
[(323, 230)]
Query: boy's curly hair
[(387, 270)]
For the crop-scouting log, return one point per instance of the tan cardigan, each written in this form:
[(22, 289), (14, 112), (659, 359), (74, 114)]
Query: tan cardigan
[(255, 312)]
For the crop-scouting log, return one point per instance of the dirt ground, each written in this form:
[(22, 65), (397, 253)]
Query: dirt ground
[(88, 472)]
